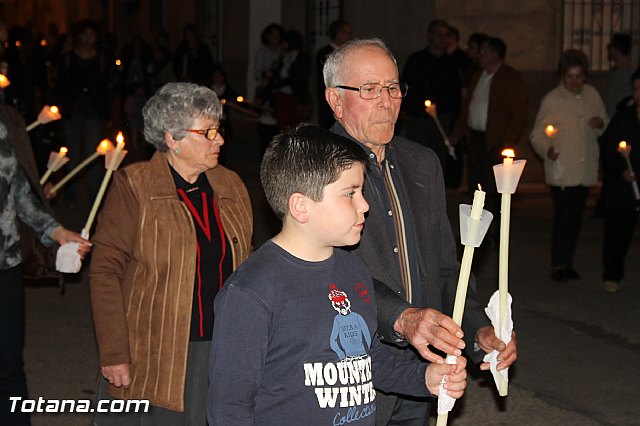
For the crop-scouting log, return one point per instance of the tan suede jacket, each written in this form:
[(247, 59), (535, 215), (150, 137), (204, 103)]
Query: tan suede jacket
[(142, 274)]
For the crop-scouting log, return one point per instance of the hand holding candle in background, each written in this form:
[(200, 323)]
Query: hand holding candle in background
[(551, 133), (625, 150), (430, 108)]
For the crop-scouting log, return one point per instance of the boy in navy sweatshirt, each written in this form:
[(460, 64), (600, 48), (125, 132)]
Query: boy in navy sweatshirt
[(295, 326)]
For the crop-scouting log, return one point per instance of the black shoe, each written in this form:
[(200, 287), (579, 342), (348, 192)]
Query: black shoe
[(571, 274), (559, 275)]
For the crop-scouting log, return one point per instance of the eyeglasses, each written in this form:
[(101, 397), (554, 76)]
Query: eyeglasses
[(374, 90), (210, 134)]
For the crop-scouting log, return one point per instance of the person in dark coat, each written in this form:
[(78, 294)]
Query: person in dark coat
[(620, 203)]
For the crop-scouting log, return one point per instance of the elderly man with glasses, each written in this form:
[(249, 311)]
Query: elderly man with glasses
[(407, 243)]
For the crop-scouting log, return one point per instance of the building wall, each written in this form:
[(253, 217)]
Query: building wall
[(532, 29), (402, 24)]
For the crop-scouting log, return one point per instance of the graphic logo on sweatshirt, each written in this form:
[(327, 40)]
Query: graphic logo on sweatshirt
[(350, 333), (347, 382)]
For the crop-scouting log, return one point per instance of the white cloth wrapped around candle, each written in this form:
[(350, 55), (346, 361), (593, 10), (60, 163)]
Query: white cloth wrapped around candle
[(445, 402), (492, 310), (67, 258)]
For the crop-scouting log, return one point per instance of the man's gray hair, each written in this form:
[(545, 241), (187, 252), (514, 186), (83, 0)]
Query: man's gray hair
[(174, 107), (334, 67)]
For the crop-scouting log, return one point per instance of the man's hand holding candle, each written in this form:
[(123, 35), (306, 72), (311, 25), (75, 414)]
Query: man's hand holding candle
[(488, 341), (425, 326)]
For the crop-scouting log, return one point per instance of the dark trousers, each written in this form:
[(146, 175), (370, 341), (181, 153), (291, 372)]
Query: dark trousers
[(618, 233), (568, 209), (13, 381), (480, 172)]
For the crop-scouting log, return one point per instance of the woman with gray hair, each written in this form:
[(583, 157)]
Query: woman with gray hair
[(171, 231)]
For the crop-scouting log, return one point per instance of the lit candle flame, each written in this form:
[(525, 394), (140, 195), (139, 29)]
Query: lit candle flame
[(53, 109), (622, 145), (4, 81), (120, 139), (43, 42), (63, 151), (550, 130), (510, 153), (479, 187), (118, 62), (18, 43), (104, 146), (427, 103), (223, 101), (240, 99)]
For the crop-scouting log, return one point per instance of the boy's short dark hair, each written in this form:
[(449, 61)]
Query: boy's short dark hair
[(305, 159)]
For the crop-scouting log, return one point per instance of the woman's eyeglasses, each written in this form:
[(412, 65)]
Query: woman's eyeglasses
[(210, 134)]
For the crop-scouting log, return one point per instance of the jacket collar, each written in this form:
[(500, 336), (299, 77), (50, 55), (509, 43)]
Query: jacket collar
[(165, 187)]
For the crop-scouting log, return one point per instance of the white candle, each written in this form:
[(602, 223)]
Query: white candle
[(118, 151), (55, 163), (118, 154), (463, 283), (478, 203), (102, 149), (430, 109), (625, 150), (503, 259), (46, 115), (467, 257), (551, 133)]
